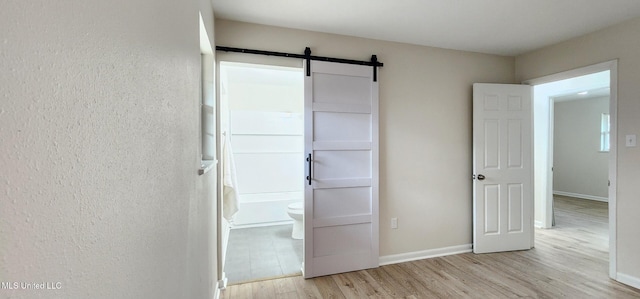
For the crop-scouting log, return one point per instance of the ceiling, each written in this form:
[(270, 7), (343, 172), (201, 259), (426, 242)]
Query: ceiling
[(583, 95), (503, 27), (584, 87)]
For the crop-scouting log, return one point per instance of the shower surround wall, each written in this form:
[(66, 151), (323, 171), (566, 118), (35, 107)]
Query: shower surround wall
[(266, 126), (268, 151)]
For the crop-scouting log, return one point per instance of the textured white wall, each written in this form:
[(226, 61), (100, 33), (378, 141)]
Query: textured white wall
[(99, 143), (617, 42), (578, 165), (425, 125)]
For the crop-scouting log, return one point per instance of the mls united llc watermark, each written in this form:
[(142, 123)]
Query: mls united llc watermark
[(15, 285)]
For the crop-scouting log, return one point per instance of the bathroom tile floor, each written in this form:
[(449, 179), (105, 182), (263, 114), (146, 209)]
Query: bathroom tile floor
[(262, 252)]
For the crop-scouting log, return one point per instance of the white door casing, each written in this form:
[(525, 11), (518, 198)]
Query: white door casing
[(612, 67), (502, 168), (341, 194)]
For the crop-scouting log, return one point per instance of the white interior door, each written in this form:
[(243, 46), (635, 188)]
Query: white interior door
[(503, 173), (341, 193)]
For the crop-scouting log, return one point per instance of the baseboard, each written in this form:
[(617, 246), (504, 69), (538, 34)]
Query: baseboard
[(538, 224), (583, 196), (629, 280), (424, 254), (220, 285)]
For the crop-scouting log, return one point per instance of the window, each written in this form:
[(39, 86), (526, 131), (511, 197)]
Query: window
[(605, 131)]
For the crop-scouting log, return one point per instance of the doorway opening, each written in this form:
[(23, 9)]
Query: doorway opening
[(575, 154), (261, 121)]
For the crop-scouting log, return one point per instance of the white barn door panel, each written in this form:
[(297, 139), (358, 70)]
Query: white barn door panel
[(502, 167), (341, 191)]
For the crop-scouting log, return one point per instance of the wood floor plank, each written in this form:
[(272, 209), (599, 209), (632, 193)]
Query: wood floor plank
[(416, 283), (328, 288), (367, 285), (488, 276), (347, 286), (289, 295), (389, 284), (568, 261), (264, 289), (243, 291), (429, 283), (306, 288), (285, 285)]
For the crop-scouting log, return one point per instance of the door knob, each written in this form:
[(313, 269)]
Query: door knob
[(480, 177)]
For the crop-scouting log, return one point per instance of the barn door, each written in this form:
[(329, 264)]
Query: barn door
[(341, 146)]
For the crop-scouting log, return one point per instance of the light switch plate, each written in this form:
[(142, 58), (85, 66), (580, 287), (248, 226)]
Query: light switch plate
[(630, 140), (394, 223)]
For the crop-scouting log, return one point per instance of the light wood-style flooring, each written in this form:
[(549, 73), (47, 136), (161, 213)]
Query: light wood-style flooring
[(569, 261)]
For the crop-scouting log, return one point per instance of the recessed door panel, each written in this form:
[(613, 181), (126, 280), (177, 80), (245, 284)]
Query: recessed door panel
[(352, 201), (341, 89), (516, 216), (514, 139), (492, 209), (492, 143), (341, 164), (491, 103), (342, 240), (330, 126), (514, 103)]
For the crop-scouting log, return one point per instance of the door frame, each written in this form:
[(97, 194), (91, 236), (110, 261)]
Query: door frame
[(222, 225), (546, 163)]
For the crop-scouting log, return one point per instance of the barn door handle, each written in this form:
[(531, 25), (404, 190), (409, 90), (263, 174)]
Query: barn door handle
[(481, 177), (309, 176)]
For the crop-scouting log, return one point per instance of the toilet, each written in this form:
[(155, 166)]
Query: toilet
[(296, 212)]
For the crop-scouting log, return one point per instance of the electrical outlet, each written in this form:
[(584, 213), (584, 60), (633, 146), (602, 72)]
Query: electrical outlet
[(394, 223), (630, 140)]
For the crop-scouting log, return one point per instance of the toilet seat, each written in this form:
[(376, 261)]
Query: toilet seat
[(296, 206)]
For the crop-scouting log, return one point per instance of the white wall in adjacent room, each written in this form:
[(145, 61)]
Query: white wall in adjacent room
[(580, 169)]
